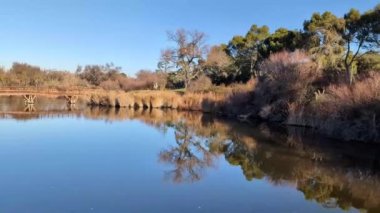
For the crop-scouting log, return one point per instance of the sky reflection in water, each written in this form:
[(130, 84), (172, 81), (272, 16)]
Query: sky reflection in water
[(107, 160)]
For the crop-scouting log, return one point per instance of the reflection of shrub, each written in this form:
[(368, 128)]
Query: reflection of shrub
[(202, 83)]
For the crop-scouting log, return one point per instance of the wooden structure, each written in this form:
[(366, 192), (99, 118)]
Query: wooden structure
[(71, 99), (29, 108), (29, 99)]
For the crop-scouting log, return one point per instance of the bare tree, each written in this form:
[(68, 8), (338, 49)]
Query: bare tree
[(187, 56), (190, 156)]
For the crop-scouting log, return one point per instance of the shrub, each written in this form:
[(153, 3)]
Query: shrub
[(202, 83), (286, 77), (110, 85), (368, 62), (350, 112), (152, 80)]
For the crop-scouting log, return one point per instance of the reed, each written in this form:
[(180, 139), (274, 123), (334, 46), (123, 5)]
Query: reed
[(205, 102)]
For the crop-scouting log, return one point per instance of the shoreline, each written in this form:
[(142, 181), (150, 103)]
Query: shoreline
[(211, 103)]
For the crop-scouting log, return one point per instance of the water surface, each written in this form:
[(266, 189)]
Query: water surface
[(58, 158)]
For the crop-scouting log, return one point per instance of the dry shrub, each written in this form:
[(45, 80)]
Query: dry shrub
[(287, 77), (128, 84), (149, 79), (236, 98), (201, 84), (351, 112), (110, 85)]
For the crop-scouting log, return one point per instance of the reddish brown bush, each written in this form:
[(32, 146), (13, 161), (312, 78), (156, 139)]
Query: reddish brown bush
[(350, 112), (286, 78), (201, 84)]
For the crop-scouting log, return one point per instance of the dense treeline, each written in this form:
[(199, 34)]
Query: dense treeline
[(326, 76), (343, 47), (108, 77)]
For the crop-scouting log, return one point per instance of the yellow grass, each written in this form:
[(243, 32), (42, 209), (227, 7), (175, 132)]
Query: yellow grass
[(205, 102)]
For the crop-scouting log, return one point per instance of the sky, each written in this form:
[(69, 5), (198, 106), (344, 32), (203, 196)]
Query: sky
[(62, 34)]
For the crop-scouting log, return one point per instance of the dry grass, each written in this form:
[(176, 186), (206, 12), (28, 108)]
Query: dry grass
[(205, 102)]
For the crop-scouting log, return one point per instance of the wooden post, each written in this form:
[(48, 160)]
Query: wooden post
[(29, 108), (71, 99), (29, 99)]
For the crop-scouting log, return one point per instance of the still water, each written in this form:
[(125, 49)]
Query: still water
[(55, 158)]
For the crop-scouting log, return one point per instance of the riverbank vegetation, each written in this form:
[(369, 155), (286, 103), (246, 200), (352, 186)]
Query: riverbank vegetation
[(325, 76)]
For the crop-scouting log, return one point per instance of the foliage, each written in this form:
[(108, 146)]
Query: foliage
[(25, 75), (283, 39), (96, 74), (361, 31), (244, 52), (368, 62), (219, 66), (343, 39)]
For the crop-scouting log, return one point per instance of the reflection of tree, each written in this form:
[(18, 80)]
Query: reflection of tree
[(236, 154), (71, 107), (190, 156)]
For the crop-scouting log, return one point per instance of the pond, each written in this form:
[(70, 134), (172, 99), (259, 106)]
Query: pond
[(58, 158)]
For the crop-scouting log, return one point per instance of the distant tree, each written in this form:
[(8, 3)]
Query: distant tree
[(152, 80), (218, 65), (27, 75), (244, 51), (343, 40), (325, 30), (284, 40), (166, 64), (96, 74), (187, 56), (2, 77), (360, 32)]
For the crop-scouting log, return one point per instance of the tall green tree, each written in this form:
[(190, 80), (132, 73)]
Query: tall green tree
[(325, 30), (244, 50), (345, 40), (283, 39), (361, 35)]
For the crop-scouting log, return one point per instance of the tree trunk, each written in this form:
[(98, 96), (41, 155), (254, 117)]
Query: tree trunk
[(349, 74), (251, 68)]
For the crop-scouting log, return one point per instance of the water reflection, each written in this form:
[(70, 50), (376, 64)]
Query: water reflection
[(328, 172), (29, 108), (190, 157)]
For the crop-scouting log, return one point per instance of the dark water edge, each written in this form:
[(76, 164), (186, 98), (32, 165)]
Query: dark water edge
[(336, 175)]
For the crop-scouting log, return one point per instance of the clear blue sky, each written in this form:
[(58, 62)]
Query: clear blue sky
[(61, 34)]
